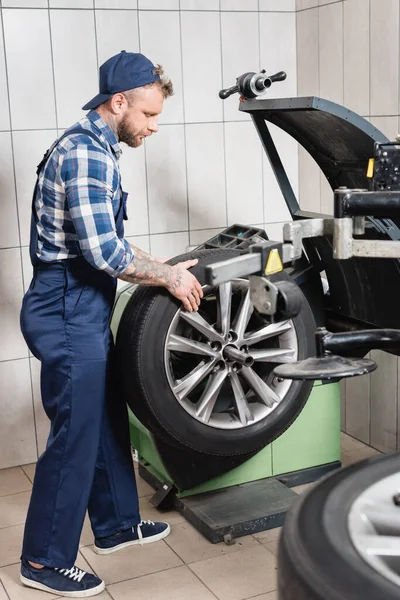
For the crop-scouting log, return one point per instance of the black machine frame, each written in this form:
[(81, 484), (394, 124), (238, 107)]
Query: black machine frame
[(341, 143)]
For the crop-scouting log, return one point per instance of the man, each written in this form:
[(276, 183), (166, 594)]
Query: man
[(78, 251)]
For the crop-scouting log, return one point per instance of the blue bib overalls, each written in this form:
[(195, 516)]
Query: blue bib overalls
[(87, 462)]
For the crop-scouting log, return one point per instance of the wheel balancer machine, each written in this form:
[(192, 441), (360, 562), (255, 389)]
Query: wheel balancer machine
[(222, 499)]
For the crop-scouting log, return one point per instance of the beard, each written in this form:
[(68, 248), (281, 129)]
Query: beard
[(127, 134)]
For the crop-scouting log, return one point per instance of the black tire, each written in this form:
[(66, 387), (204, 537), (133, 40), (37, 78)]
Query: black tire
[(317, 559), (140, 348)]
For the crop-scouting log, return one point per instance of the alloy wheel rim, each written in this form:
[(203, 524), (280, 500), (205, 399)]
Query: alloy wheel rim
[(374, 526), (219, 361)]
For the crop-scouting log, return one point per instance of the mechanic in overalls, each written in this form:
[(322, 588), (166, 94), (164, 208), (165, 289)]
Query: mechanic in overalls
[(78, 251)]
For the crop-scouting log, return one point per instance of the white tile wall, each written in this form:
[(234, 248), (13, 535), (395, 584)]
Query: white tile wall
[(71, 3), (278, 51), (303, 4), (308, 57), (25, 3), (75, 64), (116, 30), (30, 80), (29, 147), (240, 54), (200, 236), (133, 176), (159, 4), (194, 178), (206, 175), (115, 3), (12, 344), (356, 51), (5, 112), (17, 430), (275, 209), (331, 52), (243, 174), (166, 180), (202, 77), (140, 241), (387, 125), (384, 64), (169, 244), (9, 235), (199, 4), (160, 40), (277, 5)]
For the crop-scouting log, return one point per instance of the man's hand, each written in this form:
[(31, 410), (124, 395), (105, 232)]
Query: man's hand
[(184, 286), (177, 279)]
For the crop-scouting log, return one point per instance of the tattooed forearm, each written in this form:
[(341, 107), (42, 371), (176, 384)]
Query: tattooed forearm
[(141, 253), (150, 272)]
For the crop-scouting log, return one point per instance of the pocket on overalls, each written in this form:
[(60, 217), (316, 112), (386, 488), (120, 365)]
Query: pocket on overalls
[(73, 291)]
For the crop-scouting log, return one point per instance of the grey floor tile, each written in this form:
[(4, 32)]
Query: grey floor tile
[(239, 575), (354, 456), (132, 562), (13, 481), (29, 471), (174, 584), (13, 509), (10, 544), (192, 546)]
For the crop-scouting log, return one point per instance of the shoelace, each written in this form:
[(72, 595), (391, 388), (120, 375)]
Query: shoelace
[(139, 530), (72, 573)]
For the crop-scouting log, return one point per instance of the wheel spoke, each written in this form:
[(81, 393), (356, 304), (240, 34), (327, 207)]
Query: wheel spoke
[(224, 308), (263, 391), (199, 323), (190, 381), (274, 355), (242, 317), (209, 397), (380, 545), (242, 406), (267, 332), (178, 343)]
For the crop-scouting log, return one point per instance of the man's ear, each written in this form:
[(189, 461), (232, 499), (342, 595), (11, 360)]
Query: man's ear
[(118, 104)]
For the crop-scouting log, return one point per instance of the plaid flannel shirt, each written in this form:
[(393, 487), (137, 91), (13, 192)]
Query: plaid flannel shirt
[(78, 192)]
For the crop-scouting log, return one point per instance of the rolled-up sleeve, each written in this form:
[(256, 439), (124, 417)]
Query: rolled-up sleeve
[(88, 173)]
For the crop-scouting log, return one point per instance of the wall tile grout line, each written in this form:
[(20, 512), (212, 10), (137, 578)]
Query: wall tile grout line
[(210, 10), (18, 218), (6, 360), (184, 126), (52, 66), (95, 38), (145, 149), (223, 119)]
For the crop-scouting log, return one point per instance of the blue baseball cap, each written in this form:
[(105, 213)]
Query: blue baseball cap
[(124, 71)]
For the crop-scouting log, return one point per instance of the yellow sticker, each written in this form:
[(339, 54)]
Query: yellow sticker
[(370, 171), (274, 263)]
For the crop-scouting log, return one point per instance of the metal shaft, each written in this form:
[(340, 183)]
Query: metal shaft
[(242, 358)]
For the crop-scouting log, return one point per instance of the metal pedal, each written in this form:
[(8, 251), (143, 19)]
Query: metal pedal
[(328, 367)]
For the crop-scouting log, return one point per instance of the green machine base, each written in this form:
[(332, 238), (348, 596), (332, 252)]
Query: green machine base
[(255, 495)]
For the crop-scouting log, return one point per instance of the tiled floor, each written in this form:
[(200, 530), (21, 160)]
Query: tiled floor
[(185, 565)]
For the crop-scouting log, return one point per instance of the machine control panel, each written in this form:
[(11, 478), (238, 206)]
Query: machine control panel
[(386, 171)]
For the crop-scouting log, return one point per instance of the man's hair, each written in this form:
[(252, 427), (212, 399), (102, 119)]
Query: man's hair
[(164, 83)]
